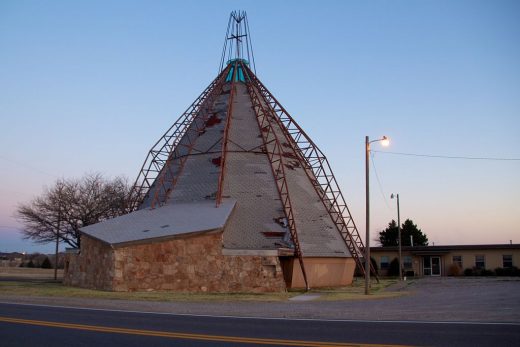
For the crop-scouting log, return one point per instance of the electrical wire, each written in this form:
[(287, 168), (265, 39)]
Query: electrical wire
[(27, 166), (379, 181), (447, 156)]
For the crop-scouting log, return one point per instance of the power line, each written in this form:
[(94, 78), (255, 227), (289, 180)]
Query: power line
[(379, 181), (448, 156), (27, 166)]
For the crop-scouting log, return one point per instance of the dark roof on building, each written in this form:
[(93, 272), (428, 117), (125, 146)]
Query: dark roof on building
[(446, 248)]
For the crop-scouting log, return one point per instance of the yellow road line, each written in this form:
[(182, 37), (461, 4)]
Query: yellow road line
[(203, 337)]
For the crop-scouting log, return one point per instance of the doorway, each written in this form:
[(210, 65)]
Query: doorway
[(436, 266), (432, 266)]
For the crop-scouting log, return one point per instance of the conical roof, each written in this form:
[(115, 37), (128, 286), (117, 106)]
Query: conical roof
[(258, 221), (236, 148)]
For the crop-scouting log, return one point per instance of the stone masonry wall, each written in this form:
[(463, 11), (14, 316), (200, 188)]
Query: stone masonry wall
[(194, 264), (92, 268), (190, 264)]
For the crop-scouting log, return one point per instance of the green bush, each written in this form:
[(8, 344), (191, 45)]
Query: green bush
[(486, 272), (46, 263), (508, 271), (409, 273), (478, 272), (454, 270), (393, 270)]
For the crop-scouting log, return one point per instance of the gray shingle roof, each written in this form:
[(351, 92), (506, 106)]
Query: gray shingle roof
[(256, 223), (162, 222), (249, 180)]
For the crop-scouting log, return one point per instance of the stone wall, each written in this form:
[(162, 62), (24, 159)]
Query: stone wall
[(190, 264), (92, 268)]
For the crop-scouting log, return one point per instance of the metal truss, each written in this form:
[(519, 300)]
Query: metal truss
[(274, 152), (320, 173), (237, 42), (225, 137), (157, 166)]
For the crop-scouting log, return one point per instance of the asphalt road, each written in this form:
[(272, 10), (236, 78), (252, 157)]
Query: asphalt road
[(33, 325)]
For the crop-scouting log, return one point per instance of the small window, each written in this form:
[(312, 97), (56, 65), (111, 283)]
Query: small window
[(384, 262), (457, 260), (407, 262), (480, 262), (507, 261)]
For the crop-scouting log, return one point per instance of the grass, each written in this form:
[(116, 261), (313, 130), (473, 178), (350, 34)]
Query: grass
[(357, 291), (40, 288), (28, 272), (54, 289)]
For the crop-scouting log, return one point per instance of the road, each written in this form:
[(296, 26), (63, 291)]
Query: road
[(36, 325)]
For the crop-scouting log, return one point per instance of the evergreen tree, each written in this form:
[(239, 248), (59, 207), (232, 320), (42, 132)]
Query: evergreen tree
[(390, 236), (46, 264), (393, 270)]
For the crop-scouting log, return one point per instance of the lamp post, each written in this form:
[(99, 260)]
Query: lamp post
[(399, 236), (385, 142)]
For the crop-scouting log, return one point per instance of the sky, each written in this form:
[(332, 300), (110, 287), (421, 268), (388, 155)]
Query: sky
[(89, 86)]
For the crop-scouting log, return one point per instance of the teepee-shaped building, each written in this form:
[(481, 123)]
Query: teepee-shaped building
[(233, 197)]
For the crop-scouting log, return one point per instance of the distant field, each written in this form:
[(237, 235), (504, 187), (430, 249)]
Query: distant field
[(27, 273)]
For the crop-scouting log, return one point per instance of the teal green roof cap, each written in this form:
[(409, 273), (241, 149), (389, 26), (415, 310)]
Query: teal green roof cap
[(231, 61)]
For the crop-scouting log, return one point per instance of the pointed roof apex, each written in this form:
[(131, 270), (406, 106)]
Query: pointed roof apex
[(237, 42)]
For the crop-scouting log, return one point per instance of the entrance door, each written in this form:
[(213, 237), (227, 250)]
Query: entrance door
[(436, 266), (431, 266), (427, 266)]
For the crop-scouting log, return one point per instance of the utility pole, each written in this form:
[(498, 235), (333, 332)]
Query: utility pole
[(57, 243), (367, 223), (399, 240), (384, 141)]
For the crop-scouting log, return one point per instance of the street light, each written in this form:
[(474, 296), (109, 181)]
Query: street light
[(399, 235), (385, 141)]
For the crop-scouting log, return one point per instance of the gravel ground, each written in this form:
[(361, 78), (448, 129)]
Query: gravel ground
[(427, 299)]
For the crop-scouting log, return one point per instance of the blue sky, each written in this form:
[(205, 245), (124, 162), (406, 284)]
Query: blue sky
[(90, 86)]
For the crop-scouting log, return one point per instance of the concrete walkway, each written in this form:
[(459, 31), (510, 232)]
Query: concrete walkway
[(306, 297)]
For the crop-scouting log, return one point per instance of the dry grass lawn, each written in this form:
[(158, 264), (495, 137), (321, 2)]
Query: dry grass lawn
[(53, 289), (45, 287), (27, 273), (357, 291)]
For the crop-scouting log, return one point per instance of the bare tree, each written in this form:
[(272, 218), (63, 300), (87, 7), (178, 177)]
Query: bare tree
[(72, 204)]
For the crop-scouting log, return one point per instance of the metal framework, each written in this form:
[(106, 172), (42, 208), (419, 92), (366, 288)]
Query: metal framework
[(160, 171), (225, 136), (156, 167), (274, 151), (319, 172), (237, 33)]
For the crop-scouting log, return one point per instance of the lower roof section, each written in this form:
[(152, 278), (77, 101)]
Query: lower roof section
[(163, 222)]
